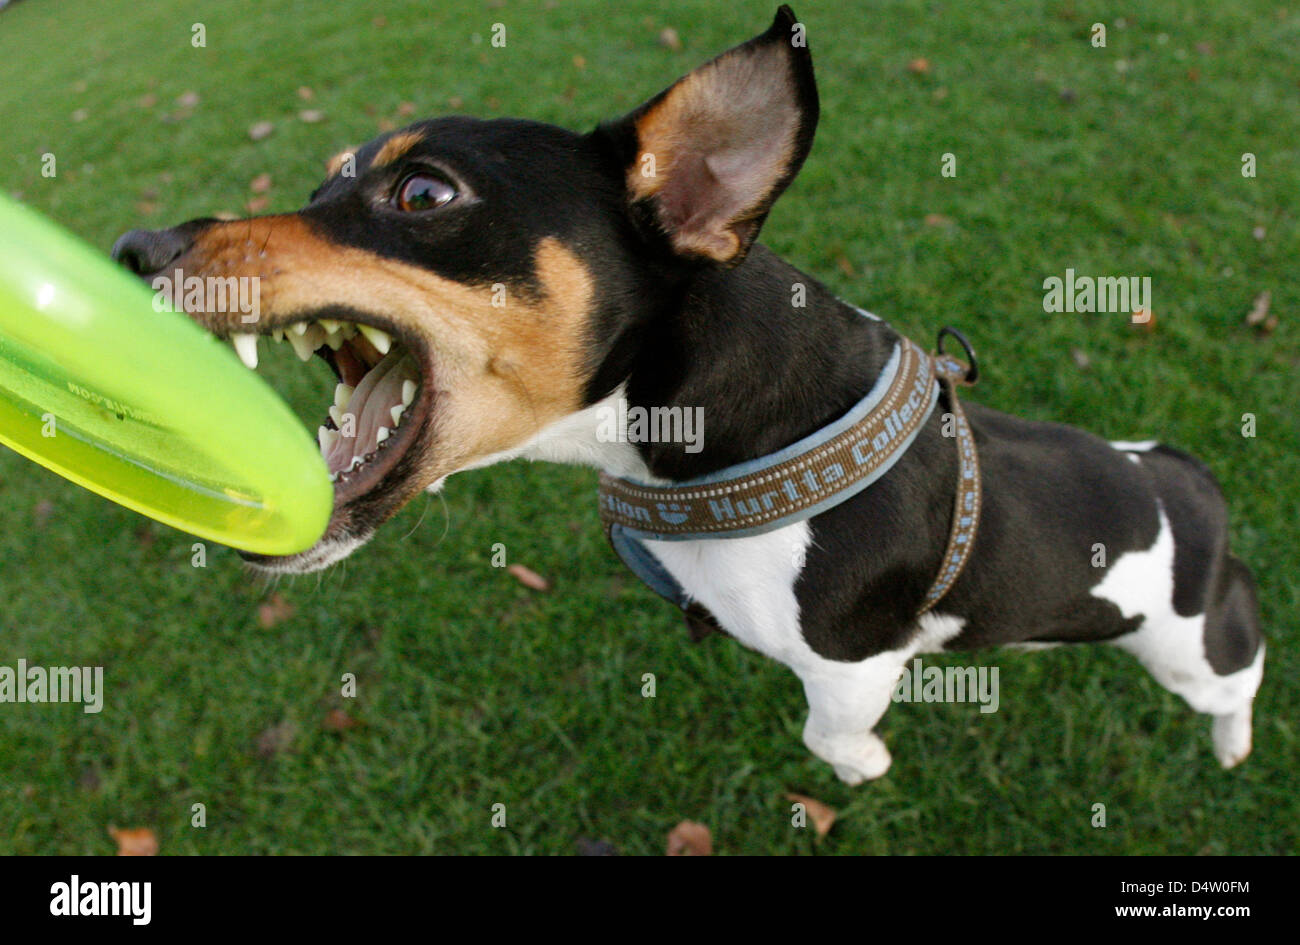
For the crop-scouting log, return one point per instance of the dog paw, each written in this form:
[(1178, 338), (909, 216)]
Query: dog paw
[(855, 759), (1231, 734)]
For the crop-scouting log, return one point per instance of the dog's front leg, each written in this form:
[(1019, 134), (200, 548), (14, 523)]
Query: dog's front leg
[(845, 701)]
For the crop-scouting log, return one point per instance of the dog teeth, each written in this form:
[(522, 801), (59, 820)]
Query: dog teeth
[(302, 345), (408, 392), (307, 337), (380, 339), (380, 435), (337, 415), (327, 438), (396, 414), (246, 348), (343, 396)]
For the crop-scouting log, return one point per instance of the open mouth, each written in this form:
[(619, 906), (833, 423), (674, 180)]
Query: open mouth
[(377, 408)]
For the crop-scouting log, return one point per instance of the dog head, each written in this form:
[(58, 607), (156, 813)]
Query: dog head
[(473, 282)]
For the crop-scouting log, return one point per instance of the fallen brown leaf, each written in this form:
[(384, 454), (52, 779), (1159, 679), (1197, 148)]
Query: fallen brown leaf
[(42, 511), (276, 739), (135, 841), (311, 116), (305, 93), (187, 99), (336, 720), (690, 839), (257, 204), (260, 130), (145, 535), (669, 39), (405, 108), (822, 817), (1081, 359), (529, 578), (260, 184), (938, 219), (273, 611), (148, 100), (1258, 314), (919, 66)]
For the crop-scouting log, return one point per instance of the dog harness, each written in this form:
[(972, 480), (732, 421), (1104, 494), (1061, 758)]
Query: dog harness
[(808, 477)]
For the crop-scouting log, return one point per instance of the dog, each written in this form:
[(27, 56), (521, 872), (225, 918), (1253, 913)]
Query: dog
[(490, 289)]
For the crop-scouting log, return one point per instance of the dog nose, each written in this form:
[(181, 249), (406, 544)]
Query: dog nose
[(147, 251)]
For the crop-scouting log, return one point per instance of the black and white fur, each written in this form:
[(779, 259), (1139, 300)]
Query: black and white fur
[(834, 598)]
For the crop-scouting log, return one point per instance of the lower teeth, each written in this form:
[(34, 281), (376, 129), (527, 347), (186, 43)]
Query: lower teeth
[(362, 424), (378, 364)]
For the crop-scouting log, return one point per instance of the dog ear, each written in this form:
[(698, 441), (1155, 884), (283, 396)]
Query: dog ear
[(706, 158)]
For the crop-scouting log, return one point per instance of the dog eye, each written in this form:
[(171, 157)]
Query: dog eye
[(423, 192)]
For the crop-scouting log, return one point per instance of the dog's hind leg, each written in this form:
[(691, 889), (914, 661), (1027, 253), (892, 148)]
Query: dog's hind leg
[(1199, 636), (1235, 648), (1214, 661)]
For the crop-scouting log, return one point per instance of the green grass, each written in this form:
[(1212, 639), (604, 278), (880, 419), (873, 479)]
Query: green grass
[(474, 691)]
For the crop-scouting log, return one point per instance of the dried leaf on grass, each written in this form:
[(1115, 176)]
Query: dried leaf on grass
[(690, 838), (529, 578), (134, 841), (821, 815)]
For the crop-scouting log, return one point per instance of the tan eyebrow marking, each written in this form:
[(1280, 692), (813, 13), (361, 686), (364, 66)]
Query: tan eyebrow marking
[(395, 147), (335, 164)]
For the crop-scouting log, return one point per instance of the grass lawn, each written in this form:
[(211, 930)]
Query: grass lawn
[(475, 691)]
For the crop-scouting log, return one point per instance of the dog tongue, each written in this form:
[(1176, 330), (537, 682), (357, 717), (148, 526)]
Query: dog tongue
[(371, 406)]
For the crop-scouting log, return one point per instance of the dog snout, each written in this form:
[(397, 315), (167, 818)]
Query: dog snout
[(147, 251)]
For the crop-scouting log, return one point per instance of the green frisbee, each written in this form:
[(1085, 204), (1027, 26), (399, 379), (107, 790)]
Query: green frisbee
[(145, 407)]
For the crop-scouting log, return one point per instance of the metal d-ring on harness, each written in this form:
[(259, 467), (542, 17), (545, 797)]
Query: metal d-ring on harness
[(808, 477)]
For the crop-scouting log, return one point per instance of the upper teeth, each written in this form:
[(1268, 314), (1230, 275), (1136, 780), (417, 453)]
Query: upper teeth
[(306, 337), (378, 338), (302, 347), (246, 348)]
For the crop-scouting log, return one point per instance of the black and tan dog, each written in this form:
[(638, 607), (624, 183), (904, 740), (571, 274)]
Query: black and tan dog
[(484, 288)]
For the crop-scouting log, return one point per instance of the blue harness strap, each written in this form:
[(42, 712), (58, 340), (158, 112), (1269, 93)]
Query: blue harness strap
[(806, 478)]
